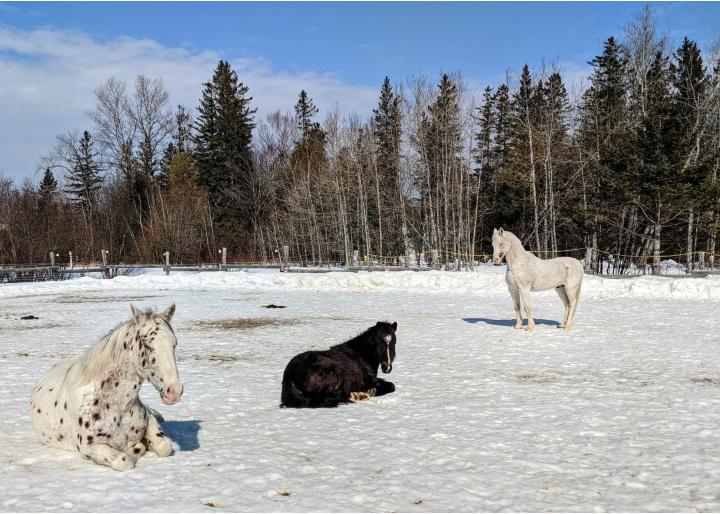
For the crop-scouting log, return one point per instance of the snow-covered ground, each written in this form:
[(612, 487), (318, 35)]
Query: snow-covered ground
[(619, 414)]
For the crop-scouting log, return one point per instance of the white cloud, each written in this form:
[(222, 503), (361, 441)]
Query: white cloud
[(48, 78)]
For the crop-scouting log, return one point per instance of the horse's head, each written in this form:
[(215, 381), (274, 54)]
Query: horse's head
[(156, 359), (384, 342), (501, 246)]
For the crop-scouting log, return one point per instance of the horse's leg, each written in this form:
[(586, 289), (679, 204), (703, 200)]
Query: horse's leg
[(527, 302), (106, 455), (562, 293), (384, 387), (157, 441), (573, 296), (515, 294)]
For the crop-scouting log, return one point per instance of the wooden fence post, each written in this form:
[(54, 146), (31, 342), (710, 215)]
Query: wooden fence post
[(52, 259), (435, 261), (167, 263), (224, 258), (701, 260), (356, 256), (285, 264), (106, 271), (588, 260), (71, 260)]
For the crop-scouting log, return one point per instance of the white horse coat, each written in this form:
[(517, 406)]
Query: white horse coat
[(90, 404), (526, 273)]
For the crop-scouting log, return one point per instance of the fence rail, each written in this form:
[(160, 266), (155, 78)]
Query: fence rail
[(596, 262)]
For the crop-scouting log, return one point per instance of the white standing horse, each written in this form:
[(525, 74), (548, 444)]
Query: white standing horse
[(90, 404), (526, 273)]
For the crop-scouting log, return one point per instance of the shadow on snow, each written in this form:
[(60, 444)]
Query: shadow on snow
[(509, 322), (184, 433)]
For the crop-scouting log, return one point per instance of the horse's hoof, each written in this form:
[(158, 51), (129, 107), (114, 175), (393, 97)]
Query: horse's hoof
[(162, 448), (361, 395), (123, 463), (518, 327), (137, 450), (561, 326)]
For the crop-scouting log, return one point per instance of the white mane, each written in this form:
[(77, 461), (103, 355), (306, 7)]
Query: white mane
[(98, 358)]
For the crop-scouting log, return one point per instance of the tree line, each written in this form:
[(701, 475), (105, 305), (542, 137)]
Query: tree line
[(627, 168)]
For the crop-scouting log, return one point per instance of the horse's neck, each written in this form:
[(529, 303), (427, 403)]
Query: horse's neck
[(357, 346), (517, 254), (116, 372)]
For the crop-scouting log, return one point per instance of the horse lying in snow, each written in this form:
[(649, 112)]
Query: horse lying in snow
[(526, 273), (345, 373), (90, 404)]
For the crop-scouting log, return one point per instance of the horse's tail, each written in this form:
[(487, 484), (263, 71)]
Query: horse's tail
[(293, 396)]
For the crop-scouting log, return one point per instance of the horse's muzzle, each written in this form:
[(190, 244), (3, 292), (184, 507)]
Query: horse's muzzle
[(387, 368), (172, 394)]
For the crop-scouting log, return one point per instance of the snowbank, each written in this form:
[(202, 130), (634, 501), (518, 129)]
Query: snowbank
[(485, 280)]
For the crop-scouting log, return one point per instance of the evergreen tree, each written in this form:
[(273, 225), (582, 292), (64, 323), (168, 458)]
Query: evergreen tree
[(606, 137), (223, 142), (305, 111), (48, 187), (83, 180), (387, 130)]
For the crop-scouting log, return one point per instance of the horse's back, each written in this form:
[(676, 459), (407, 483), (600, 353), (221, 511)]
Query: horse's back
[(320, 379), (50, 412), (551, 273)]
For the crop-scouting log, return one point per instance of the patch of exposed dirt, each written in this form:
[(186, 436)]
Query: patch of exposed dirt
[(31, 327), (101, 299), (216, 357), (241, 323), (705, 381)]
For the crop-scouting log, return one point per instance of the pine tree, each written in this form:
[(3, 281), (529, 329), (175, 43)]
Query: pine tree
[(223, 142), (689, 79), (83, 181), (48, 187), (606, 137), (387, 131), (523, 132), (305, 111), (656, 176)]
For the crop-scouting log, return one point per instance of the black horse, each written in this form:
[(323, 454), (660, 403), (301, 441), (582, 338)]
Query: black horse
[(345, 373)]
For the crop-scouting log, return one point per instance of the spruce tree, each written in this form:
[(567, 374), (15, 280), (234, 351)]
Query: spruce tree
[(48, 187), (387, 131), (83, 180), (305, 111), (223, 142)]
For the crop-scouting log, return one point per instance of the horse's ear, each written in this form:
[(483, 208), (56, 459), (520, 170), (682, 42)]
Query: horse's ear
[(137, 313), (494, 231), (394, 325), (168, 313), (500, 231)]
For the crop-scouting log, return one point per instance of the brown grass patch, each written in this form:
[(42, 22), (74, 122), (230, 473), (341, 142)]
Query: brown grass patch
[(705, 381), (242, 323), (101, 299)]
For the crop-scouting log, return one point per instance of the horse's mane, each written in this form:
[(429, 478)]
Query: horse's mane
[(360, 337), (512, 237), (97, 358)]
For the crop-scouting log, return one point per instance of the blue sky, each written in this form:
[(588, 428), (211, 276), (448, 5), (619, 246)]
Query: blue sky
[(362, 42), (54, 55)]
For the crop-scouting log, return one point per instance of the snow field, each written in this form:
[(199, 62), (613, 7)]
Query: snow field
[(619, 414)]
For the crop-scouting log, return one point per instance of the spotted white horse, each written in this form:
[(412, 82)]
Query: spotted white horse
[(526, 273), (90, 404)]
